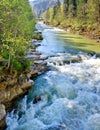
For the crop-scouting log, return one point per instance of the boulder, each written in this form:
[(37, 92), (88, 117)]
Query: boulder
[(37, 99), (2, 111), (2, 117)]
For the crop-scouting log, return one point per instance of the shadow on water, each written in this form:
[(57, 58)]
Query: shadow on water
[(69, 37), (80, 43)]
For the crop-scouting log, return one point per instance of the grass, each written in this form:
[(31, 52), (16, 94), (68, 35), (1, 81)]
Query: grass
[(79, 42)]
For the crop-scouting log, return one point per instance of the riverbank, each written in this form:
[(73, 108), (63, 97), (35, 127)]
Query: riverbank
[(14, 86)]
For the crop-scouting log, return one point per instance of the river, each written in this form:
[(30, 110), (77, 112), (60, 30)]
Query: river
[(69, 91)]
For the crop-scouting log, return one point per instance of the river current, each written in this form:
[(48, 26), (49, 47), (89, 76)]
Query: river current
[(69, 91)]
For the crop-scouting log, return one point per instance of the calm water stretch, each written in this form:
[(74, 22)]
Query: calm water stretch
[(69, 91)]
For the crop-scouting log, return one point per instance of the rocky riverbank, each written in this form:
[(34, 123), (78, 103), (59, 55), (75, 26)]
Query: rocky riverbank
[(12, 86)]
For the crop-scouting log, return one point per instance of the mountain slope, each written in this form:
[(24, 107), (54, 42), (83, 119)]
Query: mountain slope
[(41, 5)]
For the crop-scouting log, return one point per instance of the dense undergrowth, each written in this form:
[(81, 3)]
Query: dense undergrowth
[(17, 24)]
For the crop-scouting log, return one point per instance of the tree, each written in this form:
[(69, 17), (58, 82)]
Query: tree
[(72, 8), (65, 7), (16, 30), (81, 14)]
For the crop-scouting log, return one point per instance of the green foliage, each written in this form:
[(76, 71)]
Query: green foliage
[(75, 14), (37, 36), (16, 29), (21, 65), (17, 66)]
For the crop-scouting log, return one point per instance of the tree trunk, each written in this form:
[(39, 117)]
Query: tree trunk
[(99, 12), (9, 62)]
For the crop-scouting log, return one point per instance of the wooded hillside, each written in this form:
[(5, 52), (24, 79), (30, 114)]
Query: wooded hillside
[(79, 15)]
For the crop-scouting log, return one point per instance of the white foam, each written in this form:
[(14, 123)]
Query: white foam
[(70, 95)]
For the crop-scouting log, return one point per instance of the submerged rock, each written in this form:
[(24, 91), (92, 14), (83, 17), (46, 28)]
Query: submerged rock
[(37, 99), (62, 59)]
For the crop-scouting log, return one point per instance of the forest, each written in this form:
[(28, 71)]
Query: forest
[(82, 16), (16, 29)]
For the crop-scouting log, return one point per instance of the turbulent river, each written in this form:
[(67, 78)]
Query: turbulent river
[(69, 90)]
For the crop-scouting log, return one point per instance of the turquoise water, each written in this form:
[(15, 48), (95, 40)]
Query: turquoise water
[(69, 92)]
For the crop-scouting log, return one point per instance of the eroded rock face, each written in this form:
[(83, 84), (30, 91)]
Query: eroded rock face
[(8, 98), (12, 87), (2, 116), (10, 92), (2, 111), (2, 124)]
